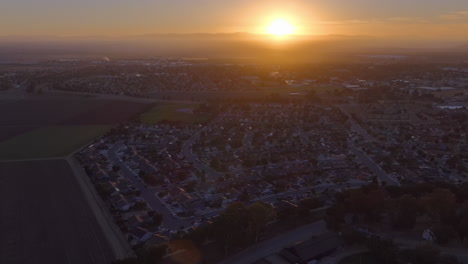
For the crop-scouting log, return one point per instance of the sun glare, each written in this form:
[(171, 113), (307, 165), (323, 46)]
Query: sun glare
[(280, 27)]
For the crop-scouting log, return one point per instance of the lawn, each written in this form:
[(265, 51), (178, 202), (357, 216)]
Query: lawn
[(50, 141), (362, 258), (176, 112)]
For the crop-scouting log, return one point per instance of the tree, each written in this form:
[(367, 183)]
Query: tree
[(385, 251), (462, 193), (353, 237), (448, 259), (203, 178), (127, 261), (139, 206), (367, 202), (462, 227), (231, 226), (190, 187), (260, 214), (444, 233), (424, 254), (440, 205), (115, 168), (156, 219), (404, 212), (155, 253), (335, 216), (310, 203)]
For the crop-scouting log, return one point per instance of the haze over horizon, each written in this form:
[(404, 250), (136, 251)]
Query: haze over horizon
[(418, 19), (208, 27)]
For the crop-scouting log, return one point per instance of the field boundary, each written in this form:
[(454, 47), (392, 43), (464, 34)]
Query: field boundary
[(114, 236)]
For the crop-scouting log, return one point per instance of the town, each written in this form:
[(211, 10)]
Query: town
[(234, 132), (277, 138)]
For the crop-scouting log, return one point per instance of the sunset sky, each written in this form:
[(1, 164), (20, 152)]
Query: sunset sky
[(407, 18)]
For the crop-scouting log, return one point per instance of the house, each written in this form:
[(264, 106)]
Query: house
[(99, 174), (136, 221), (108, 188), (124, 203), (139, 236), (146, 167)]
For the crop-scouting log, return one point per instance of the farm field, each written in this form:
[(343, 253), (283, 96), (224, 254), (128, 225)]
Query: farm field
[(177, 112), (52, 127), (45, 217), (47, 142), (255, 92)]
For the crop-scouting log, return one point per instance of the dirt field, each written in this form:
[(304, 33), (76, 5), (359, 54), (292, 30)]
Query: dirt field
[(45, 217), (51, 127)]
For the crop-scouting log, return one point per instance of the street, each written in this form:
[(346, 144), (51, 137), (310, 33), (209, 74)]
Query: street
[(374, 167), (170, 221)]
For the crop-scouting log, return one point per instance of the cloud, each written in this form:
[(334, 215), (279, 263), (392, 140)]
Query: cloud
[(346, 22), (406, 20), (461, 15)]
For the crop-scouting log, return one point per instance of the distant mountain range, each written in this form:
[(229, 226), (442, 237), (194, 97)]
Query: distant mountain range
[(294, 48)]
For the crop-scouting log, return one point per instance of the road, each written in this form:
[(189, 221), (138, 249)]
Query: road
[(170, 221), (374, 167), (191, 157), (174, 222), (355, 126), (276, 244), (247, 141), (366, 160)]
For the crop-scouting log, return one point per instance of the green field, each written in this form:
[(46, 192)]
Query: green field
[(173, 112), (49, 142)]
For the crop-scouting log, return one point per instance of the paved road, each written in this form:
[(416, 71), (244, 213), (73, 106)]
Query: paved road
[(170, 221), (369, 162), (191, 157), (174, 222), (374, 167), (276, 244), (247, 141), (355, 126)]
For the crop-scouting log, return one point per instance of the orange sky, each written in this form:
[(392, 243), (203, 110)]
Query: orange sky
[(402, 18)]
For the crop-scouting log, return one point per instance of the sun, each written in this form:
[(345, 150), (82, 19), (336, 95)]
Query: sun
[(280, 27)]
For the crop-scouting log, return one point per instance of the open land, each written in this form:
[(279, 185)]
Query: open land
[(178, 112), (45, 217), (54, 127), (48, 214), (46, 142), (282, 140)]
